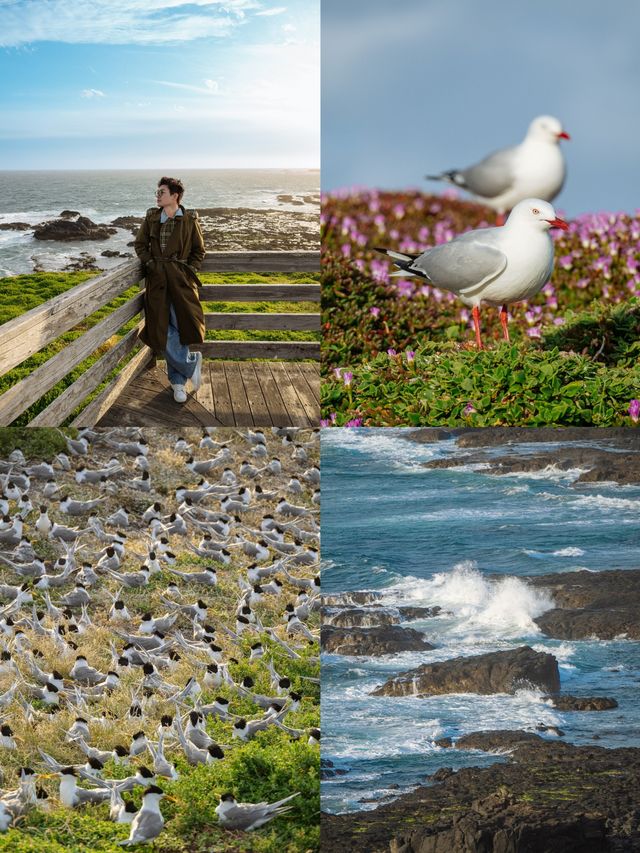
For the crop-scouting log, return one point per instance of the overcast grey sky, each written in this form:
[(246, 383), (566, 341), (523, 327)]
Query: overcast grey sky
[(417, 86)]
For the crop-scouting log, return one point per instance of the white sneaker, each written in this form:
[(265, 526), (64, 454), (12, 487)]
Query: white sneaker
[(179, 394), (196, 379)]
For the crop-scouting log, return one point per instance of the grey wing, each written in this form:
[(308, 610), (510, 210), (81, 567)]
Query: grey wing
[(461, 265), (247, 813), (146, 825), (491, 176)]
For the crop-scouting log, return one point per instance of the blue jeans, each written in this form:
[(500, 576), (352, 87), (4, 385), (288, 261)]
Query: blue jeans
[(181, 362)]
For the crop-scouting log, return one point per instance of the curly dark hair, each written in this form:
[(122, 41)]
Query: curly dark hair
[(175, 186)]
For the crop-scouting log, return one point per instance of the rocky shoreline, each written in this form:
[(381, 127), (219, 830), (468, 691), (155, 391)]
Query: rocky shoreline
[(542, 795), (546, 797), (615, 459), (224, 229)]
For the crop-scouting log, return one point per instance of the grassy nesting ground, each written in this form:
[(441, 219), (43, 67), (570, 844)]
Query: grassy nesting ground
[(396, 352), (24, 292), (269, 767)]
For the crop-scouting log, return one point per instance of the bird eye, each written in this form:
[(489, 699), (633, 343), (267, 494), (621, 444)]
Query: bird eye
[(535, 211)]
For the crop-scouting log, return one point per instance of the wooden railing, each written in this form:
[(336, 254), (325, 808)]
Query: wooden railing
[(36, 329)]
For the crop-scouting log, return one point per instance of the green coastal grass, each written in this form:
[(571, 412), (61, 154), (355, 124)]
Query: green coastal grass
[(24, 292)]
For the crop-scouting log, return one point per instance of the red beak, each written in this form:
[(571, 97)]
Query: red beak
[(563, 135), (558, 223)]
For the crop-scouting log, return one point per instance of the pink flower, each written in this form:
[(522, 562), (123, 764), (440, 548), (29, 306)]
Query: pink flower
[(634, 410), (391, 352), (347, 376), (410, 355), (356, 422), (337, 372), (468, 410), (534, 332), (374, 311)]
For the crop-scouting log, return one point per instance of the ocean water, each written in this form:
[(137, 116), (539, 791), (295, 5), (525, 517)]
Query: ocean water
[(429, 536), (35, 197)]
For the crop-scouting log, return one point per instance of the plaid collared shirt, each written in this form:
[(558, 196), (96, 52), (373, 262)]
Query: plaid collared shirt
[(166, 228)]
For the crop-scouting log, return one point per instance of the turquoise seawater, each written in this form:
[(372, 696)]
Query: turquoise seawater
[(435, 536)]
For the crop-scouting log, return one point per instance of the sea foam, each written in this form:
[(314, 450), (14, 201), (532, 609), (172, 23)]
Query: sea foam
[(504, 607)]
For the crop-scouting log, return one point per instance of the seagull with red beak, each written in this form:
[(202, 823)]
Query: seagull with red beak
[(496, 266), (535, 168)]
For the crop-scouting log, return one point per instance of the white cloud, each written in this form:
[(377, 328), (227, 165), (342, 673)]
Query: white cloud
[(288, 28), (92, 93), (119, 21), (210, 87), (275, 10)]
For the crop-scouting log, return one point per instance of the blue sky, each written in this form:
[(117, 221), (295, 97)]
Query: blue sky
[(419, 86), (114, 83)]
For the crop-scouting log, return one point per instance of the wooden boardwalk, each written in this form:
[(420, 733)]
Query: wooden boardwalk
[(233, 393)]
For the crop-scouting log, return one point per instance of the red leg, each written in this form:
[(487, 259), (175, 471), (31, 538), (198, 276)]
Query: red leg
[(476, 325), (501, 219), (504, 319)]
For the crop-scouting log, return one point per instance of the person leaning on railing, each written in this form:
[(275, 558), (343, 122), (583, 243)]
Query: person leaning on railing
[(171, 247)]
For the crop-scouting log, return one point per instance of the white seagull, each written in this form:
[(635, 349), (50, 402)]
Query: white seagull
[(535, 167), (493, 265)]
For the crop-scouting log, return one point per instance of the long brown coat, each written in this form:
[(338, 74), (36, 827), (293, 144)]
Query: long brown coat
[(171, 278)]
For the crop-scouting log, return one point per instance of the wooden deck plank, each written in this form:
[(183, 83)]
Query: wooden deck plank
[(312, 375), (267, 261), (308, 400), (299, 383), (148, 401), (260, 293), (222, 408), (278, 413), (231, 350), (255, 395), (289, 395), (263, 322), (233, 393), (239, 400), (204, 395)]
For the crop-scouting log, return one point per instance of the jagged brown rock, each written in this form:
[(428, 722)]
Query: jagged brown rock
[(494, 672), (383, 640)]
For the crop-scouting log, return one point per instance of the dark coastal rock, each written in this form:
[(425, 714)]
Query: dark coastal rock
[(371, 617), (69, 214), (428, 435), (495, 436), (495, 672), (131, 223), (68, 230), (605, 624), (591, 604), (383, 640), (584, 703), (603, 462), (408, 612), (444, 742), (600, 465), (498, 824), (345, 599), (494, 741), (554, 730), (15, 226), (113, 253), (360, 617), (544, 796), (328, 770)]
